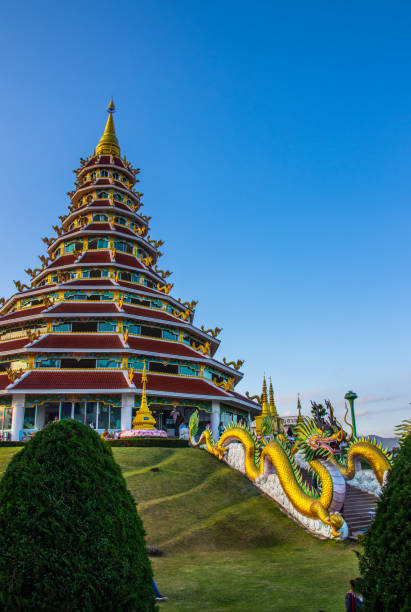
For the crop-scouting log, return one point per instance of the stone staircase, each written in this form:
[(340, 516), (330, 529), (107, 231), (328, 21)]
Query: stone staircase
[(358, 510)]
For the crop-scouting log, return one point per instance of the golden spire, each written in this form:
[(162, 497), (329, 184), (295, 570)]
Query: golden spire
[(300, 418), (144, 419), (264, 401), (108, 144), (273, 407)]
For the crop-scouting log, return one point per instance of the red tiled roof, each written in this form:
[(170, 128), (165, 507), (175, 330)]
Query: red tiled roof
[(104, 159), (75, 379), (96, 257), (122, 206), (94, 308), (13, 345), (64, 260), (146, 312), (119, 162), (100, 227), (178, 384), (161, 346), (136, 287), (29, 312), (125, 230), (70, 342), (102, 181), (4, 381), (128, 260), (90, 282), (119, 183)]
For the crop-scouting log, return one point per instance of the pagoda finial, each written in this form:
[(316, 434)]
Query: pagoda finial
[(108, 144), (264, 400), (299, 418), (273, 407)]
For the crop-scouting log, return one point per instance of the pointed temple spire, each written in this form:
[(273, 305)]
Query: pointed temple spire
[(144, 419), (264, 400), (273, 407), (300, 417), (108, 144)]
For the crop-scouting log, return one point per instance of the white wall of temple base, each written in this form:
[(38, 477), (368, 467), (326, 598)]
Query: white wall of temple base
[(215, 418), (18, 416), (127, 405)]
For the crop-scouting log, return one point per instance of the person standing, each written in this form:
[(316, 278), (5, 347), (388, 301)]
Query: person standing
[(353, 599)]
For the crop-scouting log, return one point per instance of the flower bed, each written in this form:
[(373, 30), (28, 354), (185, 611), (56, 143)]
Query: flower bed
[(143, 433)]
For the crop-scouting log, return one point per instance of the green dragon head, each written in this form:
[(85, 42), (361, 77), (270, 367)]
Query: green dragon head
[(316, 443), (193, 424)]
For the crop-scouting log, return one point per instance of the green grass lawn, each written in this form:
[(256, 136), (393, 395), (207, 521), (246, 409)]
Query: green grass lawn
[(226, 546)]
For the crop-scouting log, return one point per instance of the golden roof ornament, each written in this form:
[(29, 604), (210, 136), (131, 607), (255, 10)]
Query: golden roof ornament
[(273, 407), (108, 144)]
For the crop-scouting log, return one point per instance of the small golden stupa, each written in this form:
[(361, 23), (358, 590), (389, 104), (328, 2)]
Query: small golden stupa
[(144, 419)]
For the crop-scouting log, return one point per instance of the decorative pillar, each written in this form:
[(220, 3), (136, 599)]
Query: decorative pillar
[(18, 416), (127, 405), (215, 418), (351, 396)]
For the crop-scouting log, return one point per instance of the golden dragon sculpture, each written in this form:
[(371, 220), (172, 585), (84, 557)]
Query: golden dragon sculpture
[(331, 454)]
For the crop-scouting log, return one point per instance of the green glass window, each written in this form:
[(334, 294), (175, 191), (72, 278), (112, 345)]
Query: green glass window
[(8, 411), (107, 326), (188, 370), (65, 410), (168, 334), (79, 411), (29, 418), (91, 413), (103, 416), (61, 326), (137, 364), (108, 363), (133, 329), (115, 417)]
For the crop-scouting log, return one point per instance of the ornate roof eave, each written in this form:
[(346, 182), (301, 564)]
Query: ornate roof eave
[(109, 207), (49, 314), (124, 169), (85, 232), (82, 191)]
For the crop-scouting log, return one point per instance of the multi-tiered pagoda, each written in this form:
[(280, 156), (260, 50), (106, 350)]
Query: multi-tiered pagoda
[(75, 340)]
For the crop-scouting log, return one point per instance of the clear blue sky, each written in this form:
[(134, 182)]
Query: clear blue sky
[(274, 140)]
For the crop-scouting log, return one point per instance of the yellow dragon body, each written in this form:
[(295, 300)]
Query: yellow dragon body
[(332, 458), (275, 458)]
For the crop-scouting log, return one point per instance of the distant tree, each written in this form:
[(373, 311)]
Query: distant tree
[(385, 564), (318, 410), (70, 535)]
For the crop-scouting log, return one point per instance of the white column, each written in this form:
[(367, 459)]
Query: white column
[(18, 416), (127, 405), (215, 418)]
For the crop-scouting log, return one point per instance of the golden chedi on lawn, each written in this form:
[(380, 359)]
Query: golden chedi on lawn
[(75, 339), (144, 424)]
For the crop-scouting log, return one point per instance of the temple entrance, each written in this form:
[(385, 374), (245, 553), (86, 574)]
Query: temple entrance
[(51, 412)]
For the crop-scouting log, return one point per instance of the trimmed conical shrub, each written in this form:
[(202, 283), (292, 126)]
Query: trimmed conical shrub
[(385, 564), (70, 535)]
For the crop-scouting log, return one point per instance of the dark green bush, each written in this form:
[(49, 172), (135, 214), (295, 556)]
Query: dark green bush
[(385, 564), (70, 535)]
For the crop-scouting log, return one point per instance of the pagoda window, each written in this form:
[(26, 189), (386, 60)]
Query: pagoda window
[(103, 173), (5, 417), (98, 273), (153, 332), (118, 196), (115, 417), (107, 326), (73, 245), (136, 364), (29, 420), (169, 334), (133, 329), (61, 326), (84, 326), (125, 276), (102, 195), (123, 245), (108, 363), (164, 368), (187, 370), (120, 220), (93, 297), (93, 174), (78, 364), (100, 218), (116, 175), (4, 365), (47, 362)]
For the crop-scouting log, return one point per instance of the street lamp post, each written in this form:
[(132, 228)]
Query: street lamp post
[(351, 396)]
